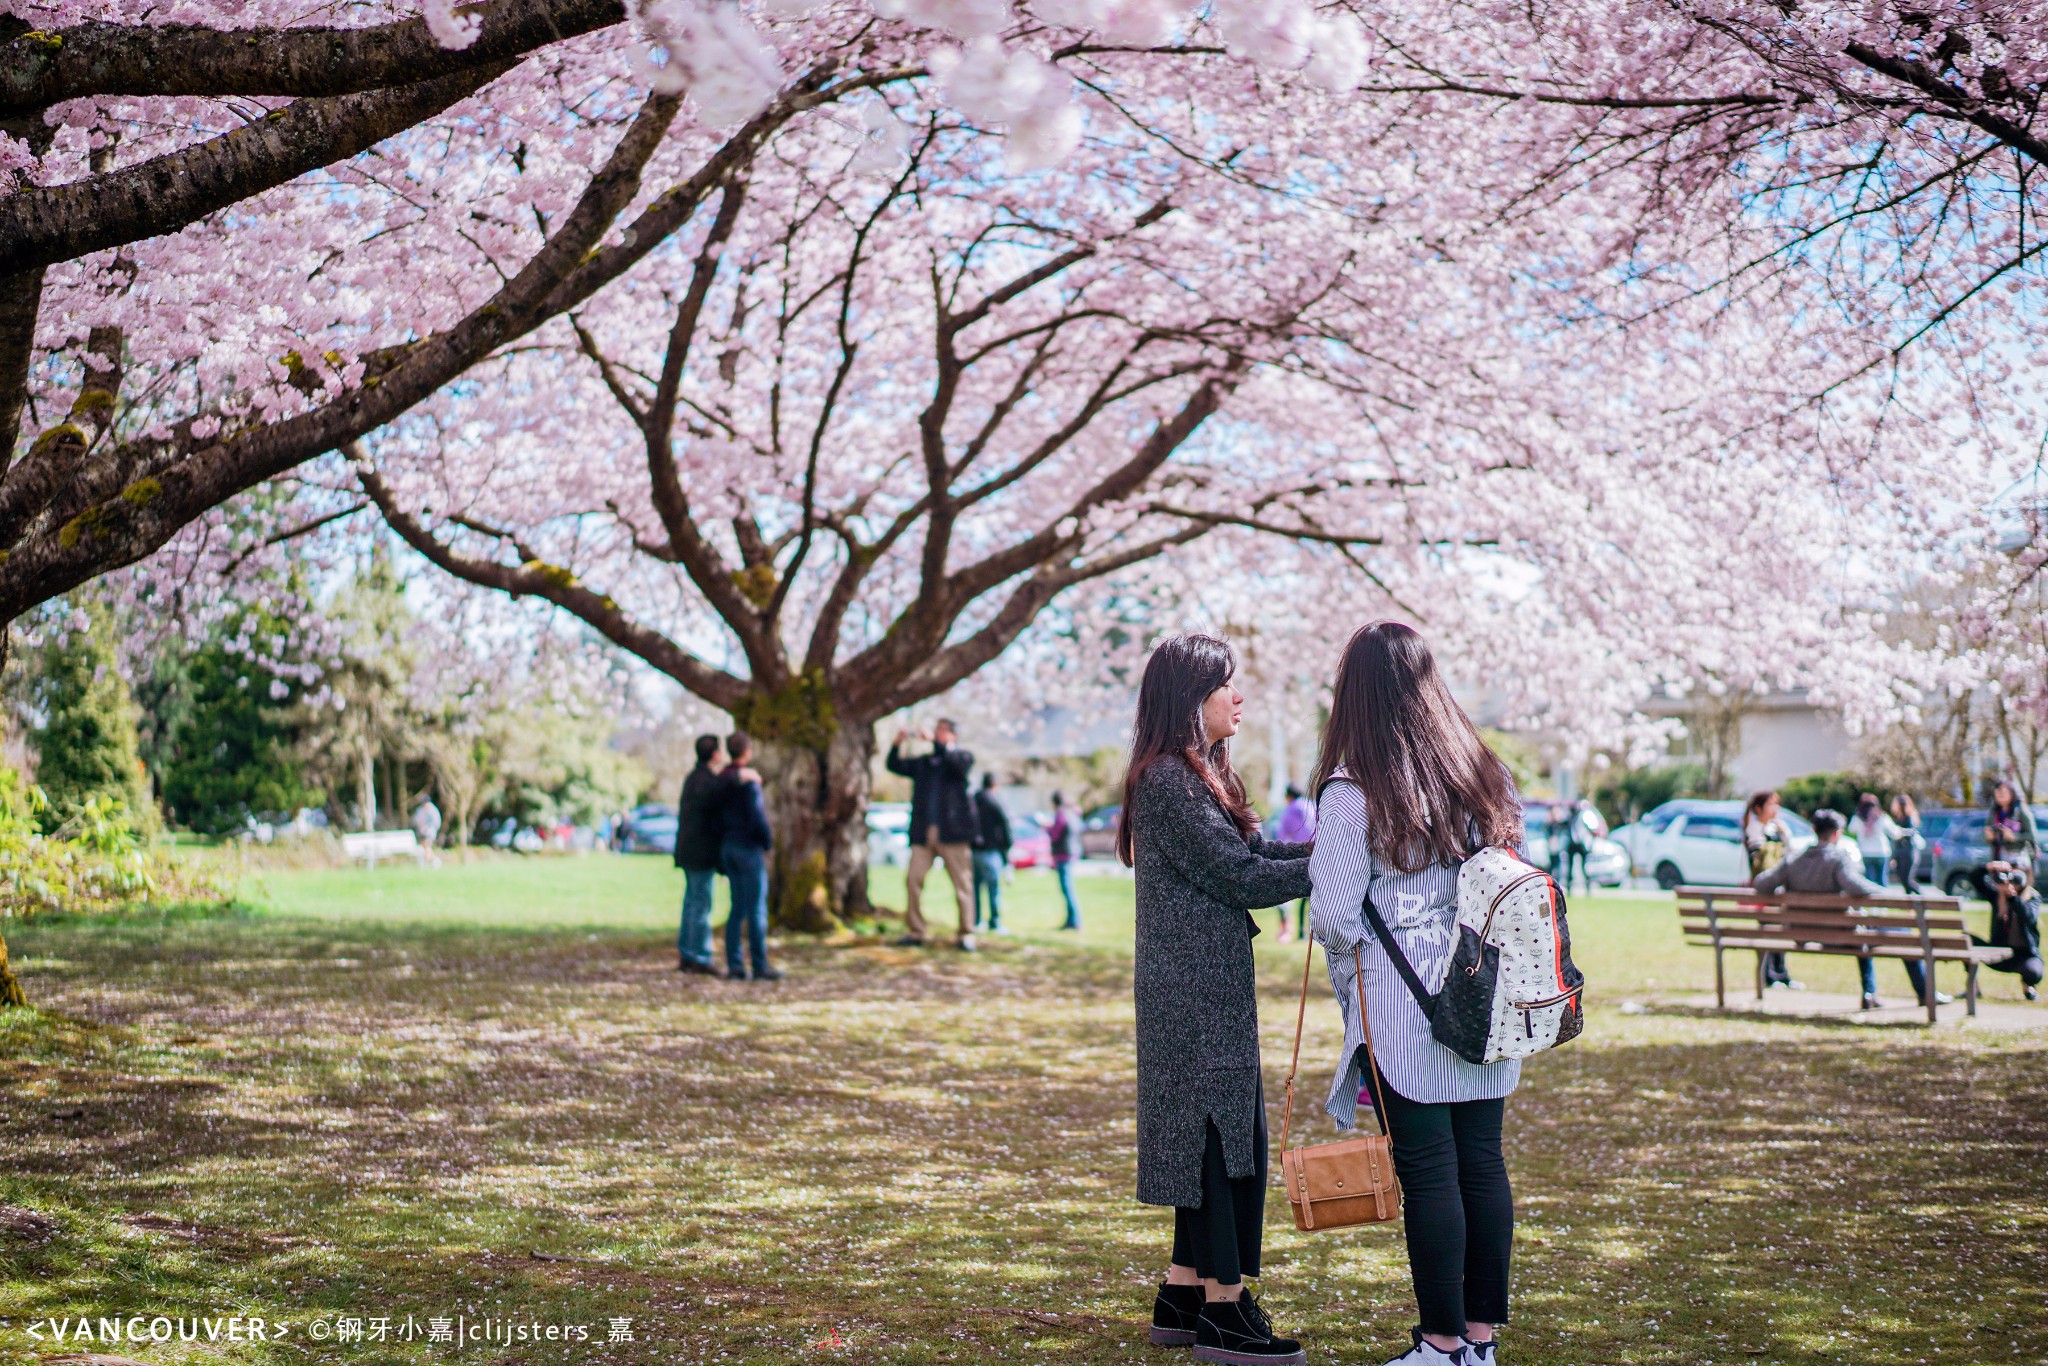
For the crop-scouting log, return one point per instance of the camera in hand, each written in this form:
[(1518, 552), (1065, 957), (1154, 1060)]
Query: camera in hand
[(2005, 877)]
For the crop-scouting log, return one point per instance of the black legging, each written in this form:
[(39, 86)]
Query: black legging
[(1221, 1237), (1459, 1212)]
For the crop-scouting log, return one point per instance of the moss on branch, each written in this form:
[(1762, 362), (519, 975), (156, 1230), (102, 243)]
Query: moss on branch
[(801, 713)]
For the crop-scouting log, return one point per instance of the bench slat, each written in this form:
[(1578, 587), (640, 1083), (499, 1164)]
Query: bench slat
[(1774, 945), (1952, 923), (1835, 925), (1749, 896)]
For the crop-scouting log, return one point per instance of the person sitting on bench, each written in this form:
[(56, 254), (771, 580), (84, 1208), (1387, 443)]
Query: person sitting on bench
[(1827, 868)]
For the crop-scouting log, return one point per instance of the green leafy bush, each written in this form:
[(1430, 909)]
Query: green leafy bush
[(1838, 792), (1624, 795), (93, 861), (85, 736)]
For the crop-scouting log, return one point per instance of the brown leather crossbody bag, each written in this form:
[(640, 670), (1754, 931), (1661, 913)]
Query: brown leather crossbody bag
[(1336, 1185)]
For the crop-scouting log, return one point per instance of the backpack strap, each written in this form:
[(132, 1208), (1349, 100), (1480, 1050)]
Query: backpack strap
[(1400, 959)]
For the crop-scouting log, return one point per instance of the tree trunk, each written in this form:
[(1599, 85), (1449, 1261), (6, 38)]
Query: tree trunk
[(10, 990), (815, 787), (366, 786)]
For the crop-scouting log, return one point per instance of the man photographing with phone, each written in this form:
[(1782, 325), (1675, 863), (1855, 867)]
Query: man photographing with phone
[(942, 826)]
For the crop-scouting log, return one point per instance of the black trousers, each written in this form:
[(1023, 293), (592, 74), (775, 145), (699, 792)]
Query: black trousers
[(1221, 1238), (1456, 1205)]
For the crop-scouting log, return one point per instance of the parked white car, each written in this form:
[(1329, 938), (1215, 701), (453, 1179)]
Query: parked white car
[(1697, 843), (889, 833)]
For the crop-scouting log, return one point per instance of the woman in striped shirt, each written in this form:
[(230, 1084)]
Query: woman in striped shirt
[(1406, 790)]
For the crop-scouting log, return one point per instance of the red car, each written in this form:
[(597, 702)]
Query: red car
[(1030, 846)]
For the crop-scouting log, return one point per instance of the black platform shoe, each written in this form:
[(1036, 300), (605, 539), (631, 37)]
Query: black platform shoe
[(1237, 1332), (1174, 1311)]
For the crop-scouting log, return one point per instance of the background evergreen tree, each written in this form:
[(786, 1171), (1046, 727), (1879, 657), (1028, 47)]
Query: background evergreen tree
[(227, 734), (84, 727)]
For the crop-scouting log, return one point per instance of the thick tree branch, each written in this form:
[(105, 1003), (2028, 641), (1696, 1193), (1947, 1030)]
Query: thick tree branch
[(1168, 436), (697, 554), (38, 70), (156, 487), (44, 225), (21, 300), (849, 351), (557, 585), (957, 661), (1953, 100), (918, 635)]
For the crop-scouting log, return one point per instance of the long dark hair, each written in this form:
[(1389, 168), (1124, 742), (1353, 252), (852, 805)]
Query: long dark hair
[(1754, 810), (1179, 677), (1431, 785), (1992, 796)]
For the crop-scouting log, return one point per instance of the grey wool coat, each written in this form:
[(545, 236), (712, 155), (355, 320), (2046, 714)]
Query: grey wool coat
[(1198, 1013)]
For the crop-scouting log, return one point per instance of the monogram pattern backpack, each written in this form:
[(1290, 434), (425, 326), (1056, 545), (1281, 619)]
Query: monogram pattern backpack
[(1512, 989)]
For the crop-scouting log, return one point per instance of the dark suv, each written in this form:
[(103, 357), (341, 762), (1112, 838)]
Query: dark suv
[(1934, 823)]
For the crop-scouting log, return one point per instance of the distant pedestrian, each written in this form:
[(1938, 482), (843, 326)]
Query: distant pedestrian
[(1297, 826), (426, 828), (1768, 840), (1587, 825), (700, 829), (745, 840), (942, 827), (426, 822), (1907, 841), (1064, 834), (1874, 833), (1557, 838), (991, 853)]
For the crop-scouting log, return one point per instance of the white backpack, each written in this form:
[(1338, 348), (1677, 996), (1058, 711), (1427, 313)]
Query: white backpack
[(1512, 989)]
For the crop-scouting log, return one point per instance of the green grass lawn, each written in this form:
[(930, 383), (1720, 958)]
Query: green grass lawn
[(483, 1091)]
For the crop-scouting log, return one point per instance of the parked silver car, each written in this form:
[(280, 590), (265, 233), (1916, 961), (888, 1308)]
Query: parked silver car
[(1959, 853)]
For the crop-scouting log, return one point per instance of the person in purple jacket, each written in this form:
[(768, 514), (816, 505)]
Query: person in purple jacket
[(1297, 826), (1064, 834)]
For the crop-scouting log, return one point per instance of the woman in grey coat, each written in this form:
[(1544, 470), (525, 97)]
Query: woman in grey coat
[(1201, 868)]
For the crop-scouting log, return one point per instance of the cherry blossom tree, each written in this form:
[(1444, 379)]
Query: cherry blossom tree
[(129, 142), (849, 440)]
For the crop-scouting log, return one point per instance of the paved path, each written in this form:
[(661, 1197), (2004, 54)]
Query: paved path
[(1898, 1009)]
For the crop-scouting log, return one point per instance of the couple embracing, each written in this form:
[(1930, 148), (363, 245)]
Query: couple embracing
[(1406, 792)]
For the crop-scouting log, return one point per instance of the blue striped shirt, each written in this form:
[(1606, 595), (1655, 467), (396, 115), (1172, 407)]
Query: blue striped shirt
[(1421, 910)]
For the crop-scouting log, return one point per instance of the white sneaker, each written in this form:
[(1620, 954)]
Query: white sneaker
[(1426, 1354)]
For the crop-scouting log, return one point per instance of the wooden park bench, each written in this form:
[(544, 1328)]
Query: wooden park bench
[(371, 845), (1929, 928)]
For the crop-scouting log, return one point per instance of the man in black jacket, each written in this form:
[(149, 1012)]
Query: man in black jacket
[(942, 826), (698, 831), (743, 857), (991, 853)]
